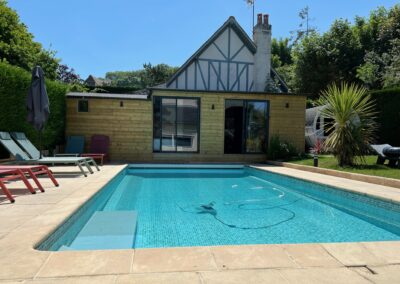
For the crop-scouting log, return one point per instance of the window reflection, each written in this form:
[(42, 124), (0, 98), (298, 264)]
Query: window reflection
[(256, 127), (186, 125), (168, 130), (176, 125), (234, 126), (245, 126), (157, 124)]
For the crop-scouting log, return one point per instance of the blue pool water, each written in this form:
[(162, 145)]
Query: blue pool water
[(205, 207)]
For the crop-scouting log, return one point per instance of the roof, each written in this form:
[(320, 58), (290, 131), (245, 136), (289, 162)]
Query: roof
[(163, 89), (232, 23), (98, 81), (281, 84), (136, 96)]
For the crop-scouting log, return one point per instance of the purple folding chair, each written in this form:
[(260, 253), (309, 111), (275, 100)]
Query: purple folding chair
[(99, 145)]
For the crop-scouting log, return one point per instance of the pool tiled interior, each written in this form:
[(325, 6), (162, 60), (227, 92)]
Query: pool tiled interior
[(32, 217)]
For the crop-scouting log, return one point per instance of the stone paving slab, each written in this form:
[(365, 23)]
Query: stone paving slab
[(385, 192), (311, 255), (164, 278), (391, 182), (267, 276), (103, 279), (96, 262), (26, 222), (173, 259), (389, 252), (352, 254), (252, 256), (323, 275), (380, 274)]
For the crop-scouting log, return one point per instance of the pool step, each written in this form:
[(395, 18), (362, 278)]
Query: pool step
[(106, 230)]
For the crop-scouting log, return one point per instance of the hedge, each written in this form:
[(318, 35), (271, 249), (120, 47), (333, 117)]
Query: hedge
[(112, 89), (388, 108), (14, 85)]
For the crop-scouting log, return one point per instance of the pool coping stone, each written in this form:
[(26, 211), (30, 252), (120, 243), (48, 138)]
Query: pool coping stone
[(39, 215)]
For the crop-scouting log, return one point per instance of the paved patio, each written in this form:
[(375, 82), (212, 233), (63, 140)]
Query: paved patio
[(32, 217)]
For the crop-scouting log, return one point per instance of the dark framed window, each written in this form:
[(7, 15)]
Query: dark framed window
[(246, 126), (176, 124), (83, 106)]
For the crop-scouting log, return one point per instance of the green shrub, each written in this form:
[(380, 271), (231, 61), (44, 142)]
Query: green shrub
[(388, 117), (99, 90), (79, 88), (281, 150), (112, 89), (14, 85), (352, 111)]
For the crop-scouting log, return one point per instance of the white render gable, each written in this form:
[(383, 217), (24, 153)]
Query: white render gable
[(224, 63)]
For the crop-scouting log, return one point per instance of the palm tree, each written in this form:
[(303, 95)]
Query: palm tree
[(350, 114)]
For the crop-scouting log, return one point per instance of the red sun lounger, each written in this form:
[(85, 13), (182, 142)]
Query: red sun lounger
[(7, 175), (33, 171)]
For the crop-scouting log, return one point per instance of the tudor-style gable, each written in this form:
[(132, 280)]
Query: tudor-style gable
[(224, 63), (231, 61)]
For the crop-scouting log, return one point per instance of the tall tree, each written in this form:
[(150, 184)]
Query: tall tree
[(305, 27), (282, 60), (391, 72), (379, 36), (157, 74), (125, 79), (311, 68), (281, 52), (149, 76), (363, 52), (17, 46), (67, 75)]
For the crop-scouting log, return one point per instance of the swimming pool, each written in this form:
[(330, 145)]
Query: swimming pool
[(160, 206)]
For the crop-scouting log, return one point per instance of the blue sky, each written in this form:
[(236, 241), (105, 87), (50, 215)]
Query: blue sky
[(96, 36)]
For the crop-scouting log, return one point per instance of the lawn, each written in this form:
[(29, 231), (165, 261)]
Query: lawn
[(369, 168)]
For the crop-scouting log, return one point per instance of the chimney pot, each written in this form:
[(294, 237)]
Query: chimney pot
[(259, 19), (262, 57), (266, 19)]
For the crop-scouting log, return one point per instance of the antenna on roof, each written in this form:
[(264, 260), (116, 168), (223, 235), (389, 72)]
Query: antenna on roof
[(251, 3)]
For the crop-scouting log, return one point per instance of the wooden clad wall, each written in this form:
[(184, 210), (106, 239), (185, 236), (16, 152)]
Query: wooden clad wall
[(131, 127)]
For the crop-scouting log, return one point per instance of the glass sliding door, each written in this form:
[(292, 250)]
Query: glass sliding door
[(168, 130), (175, 124), (256, 127), (246, 126), (234, 120), (157, 124), (187, 125)]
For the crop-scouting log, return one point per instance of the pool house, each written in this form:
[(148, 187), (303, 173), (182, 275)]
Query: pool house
[(222, 105)]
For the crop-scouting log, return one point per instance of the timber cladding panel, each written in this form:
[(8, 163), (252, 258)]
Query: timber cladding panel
[(130, 127)]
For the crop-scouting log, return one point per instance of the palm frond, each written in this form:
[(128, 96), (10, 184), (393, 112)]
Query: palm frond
[(353, 112)]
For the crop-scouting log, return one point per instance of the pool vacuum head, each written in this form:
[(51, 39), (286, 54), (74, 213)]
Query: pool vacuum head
[(207, 208)]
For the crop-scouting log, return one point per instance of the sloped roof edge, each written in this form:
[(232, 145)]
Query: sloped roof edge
[(284, 87), (137, 96)]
